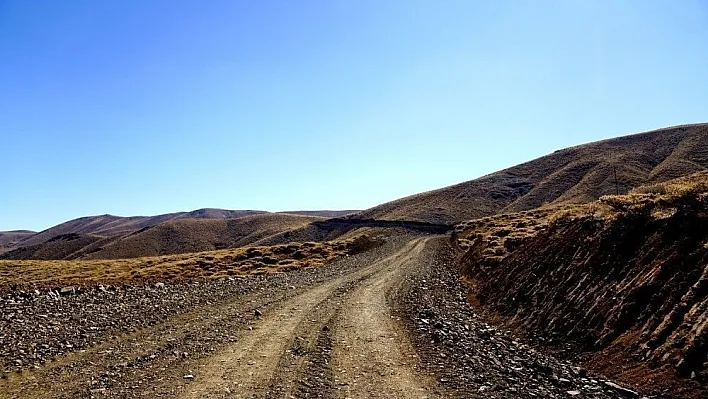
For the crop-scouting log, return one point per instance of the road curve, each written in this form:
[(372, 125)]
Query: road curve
[(362, 328)]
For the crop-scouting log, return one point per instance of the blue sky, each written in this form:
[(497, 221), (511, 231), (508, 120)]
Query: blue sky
[(135, 107)]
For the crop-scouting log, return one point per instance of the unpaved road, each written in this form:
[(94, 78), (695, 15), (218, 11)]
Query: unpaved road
[(340, 332), (366, 357)]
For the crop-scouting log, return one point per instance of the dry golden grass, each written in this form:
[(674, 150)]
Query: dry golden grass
[(496, 236), (662, 199), (501, 232), (42, 274)]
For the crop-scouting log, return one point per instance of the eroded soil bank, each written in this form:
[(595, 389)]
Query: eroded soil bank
[(629, 295)]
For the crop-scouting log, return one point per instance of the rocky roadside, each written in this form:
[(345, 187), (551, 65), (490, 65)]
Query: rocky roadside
[(475, 359), (38, 327)]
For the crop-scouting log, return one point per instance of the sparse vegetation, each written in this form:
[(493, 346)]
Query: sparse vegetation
[(42, 274)]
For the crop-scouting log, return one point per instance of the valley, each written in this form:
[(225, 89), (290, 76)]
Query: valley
[(572, 275)]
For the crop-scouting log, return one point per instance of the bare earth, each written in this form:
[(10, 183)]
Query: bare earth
[(336, 332)]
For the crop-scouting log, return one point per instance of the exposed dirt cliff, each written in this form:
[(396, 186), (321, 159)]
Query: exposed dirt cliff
[(630, 291)]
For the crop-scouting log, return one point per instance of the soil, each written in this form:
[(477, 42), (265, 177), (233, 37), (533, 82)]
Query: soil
[(626, 295), (389, 322)]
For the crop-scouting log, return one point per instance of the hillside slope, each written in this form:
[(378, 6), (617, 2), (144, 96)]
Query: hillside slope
[(573, 175), (9, 239), (109, 225), (170, 237), (323, 213), (195, 235)]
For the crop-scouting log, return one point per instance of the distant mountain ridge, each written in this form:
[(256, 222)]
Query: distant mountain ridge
[(93, 234), (109, 225), (12, 237)]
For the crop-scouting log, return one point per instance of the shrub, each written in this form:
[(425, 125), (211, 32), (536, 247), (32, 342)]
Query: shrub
[(269, 261)]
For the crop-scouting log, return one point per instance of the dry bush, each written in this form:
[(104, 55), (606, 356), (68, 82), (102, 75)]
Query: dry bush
[(659, 188), (37, 274), (659, 200)]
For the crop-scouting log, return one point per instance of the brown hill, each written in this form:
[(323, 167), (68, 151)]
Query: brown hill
[(197, 235), (60, 247), (323, 213), (573, 175), (109, 225), (9, 239), (170, 237)]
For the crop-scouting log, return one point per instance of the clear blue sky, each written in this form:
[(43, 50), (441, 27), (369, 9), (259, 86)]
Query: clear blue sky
[(135, 107)]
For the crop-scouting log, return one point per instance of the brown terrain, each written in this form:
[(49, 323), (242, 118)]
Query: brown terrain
[(11, 238), (366, 325), (109, 225), (112, 237), (573, 175), (548, 287), (32, 275)]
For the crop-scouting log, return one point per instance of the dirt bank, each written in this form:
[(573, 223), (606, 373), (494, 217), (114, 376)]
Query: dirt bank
[(629, 294)]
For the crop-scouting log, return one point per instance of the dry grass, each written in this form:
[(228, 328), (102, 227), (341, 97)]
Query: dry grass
[(662, 199), (500, 234), (43, 274), (496, 236)]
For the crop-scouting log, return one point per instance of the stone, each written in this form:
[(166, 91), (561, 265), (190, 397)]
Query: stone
[(628, 393)]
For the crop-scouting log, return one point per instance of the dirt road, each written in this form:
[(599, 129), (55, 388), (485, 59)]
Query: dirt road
[(339, 332)]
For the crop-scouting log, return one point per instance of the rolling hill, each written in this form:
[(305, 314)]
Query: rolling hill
[(11, 238), (196, 235), (573, 175), (109, 225), (175, 235)]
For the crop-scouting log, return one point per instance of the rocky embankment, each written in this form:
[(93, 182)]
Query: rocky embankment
[(475, 359), (629, 294)]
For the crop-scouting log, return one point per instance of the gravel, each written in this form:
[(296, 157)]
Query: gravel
[(37, 327), (473, 358)]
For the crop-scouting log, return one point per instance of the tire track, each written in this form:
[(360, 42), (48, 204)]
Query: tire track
[(372, 356), (250, 368)]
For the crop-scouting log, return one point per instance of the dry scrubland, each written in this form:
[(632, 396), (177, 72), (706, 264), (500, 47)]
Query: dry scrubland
[(40, 274)]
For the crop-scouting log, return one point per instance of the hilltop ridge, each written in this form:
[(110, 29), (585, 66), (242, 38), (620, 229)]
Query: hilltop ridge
[(572, 175)]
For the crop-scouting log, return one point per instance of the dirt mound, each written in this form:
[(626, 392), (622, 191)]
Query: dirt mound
[(629, 290), (574, 175)]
